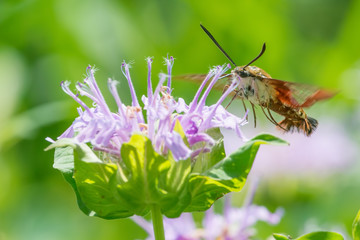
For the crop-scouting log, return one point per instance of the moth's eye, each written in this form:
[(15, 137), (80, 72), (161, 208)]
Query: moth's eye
[(244, 74)]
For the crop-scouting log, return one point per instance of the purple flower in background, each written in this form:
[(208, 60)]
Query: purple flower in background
[(234, 224), (107, 130), (182, 228), (327, 152), (237, 223)]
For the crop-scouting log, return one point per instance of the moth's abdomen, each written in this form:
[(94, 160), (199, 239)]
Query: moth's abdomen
[(306, 125)]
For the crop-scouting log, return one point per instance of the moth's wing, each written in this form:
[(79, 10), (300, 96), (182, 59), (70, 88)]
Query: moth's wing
[(297, 94), (199, 78)]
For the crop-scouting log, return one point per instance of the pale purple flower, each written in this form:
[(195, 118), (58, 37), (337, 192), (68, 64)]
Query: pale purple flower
[(237, 223), (328, 151), (106, 130), (234, 224), (181, 228)]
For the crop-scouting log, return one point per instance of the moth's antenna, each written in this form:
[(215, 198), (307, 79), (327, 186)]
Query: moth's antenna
[(260, 54), (217, 44)]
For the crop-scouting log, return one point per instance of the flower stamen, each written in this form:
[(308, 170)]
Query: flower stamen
[(107, 131)]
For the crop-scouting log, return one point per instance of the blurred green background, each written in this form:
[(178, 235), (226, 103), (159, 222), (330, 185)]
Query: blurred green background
[(43, 42)]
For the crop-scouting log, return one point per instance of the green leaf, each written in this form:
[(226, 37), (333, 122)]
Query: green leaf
[(141, 178), (217, 153), (151, 179), (227, 175), (207, 160), (64, 161), (93, 181), (322, 235), (70, 179), (356, 227), (96, 182), (278, 236), (268, 138)]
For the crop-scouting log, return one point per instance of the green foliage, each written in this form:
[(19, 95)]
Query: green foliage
[(113, 192), (142, 178), (322, 235), (227, 175), (213, 157), (64, 161), (356, 227), (148, 179), (278, 236)]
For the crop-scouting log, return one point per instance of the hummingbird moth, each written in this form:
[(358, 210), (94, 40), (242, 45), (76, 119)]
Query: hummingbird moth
[(285, 98)]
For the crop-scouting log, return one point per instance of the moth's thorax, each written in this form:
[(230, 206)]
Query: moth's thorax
[(250, 71), (251, 85)]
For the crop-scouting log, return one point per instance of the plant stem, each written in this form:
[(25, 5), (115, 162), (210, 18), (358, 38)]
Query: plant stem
[(157, 222)]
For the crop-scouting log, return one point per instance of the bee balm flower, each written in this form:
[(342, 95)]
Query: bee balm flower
[(106, 131), (126, 163), (234, 224)]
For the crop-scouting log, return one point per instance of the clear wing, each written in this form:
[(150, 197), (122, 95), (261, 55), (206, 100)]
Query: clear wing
[(297, 94), (199, 78)]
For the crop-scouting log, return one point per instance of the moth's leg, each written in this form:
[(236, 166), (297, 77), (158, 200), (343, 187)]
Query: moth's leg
[(277, 124), (238, 93), (271, 116), (247, 115), (225, 88), (233, 98), (256, 90), (253, 109), (273, 122)]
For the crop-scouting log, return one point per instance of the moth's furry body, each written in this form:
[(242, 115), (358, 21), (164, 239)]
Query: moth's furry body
[(255, 85), (285, 98)]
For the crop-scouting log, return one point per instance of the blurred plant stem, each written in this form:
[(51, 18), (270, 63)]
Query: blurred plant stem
[(157, 221)]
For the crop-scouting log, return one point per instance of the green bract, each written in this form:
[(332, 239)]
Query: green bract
[(356, 227), (111, 188), (278, 236), (322, 235)]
